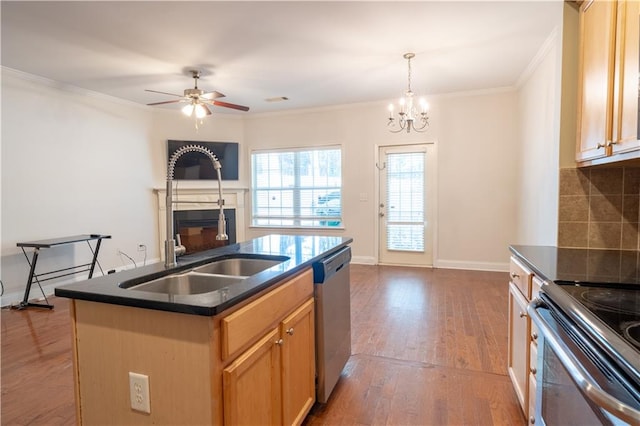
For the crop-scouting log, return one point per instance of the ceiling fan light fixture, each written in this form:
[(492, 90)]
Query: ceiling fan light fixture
[(188, 109), (200, 110)]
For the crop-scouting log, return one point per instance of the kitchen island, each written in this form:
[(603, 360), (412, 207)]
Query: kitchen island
[(242, 354)]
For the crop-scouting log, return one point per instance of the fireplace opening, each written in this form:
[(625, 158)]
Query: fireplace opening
[(198, 228)]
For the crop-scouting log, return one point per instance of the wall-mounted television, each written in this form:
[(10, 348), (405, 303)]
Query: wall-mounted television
[(197, 166)]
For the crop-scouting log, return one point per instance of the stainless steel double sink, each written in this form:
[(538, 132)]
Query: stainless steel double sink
[(213, 276)]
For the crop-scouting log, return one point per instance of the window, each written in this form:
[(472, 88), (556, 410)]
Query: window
[(297, 188)]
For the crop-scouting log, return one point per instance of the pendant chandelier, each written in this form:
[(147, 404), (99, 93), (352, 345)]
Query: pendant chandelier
[(408, 117)]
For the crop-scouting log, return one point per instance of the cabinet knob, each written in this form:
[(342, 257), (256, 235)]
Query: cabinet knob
[(612, 143), (290, 331), (279, 342), (532, 420), (523, 314), (534, 336), (602, 145), (533, 370), (514, 275)]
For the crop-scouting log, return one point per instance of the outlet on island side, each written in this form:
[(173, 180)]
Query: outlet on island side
[(139, 392)]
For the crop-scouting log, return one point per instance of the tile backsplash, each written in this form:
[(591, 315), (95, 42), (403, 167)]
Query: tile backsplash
[(599, 208)]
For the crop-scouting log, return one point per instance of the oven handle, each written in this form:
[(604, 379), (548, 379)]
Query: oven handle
[(590, 389)]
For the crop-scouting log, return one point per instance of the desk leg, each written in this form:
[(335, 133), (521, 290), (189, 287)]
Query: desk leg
[(25, 302), (95, 257)]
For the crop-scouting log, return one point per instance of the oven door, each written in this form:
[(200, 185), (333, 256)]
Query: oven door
[(576, 383)]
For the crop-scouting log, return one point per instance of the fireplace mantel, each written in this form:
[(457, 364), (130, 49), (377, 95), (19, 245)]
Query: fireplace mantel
[(198, 198)]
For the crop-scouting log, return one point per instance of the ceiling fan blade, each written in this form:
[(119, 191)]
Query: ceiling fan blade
[(206, 109), (166, 102), (212, 95), (232, 106), (163, 93)]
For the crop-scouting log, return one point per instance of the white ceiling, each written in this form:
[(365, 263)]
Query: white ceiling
[(315, 53)]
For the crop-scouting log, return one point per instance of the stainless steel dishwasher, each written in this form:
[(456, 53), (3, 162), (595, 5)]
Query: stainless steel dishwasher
[(333, 320)]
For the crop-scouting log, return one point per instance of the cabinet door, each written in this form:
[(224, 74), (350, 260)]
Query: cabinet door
[(518, 356), (595, 80), (298, 364), (625, 107), (252, 385)]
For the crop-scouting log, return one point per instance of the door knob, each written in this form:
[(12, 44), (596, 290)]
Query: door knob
[(381, 214)]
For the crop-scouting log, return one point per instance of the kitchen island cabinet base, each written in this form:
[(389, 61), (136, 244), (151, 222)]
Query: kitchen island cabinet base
[(181, 354)]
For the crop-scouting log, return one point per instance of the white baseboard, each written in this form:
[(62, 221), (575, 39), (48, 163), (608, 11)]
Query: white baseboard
[(16, 296), (363, 260), (472, 266), (445, 264)]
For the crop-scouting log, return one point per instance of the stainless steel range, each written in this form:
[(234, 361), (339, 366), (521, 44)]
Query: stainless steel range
[(589, 344)]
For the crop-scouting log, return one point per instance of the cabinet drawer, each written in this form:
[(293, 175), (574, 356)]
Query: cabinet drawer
[(251, 321), (520, 276)]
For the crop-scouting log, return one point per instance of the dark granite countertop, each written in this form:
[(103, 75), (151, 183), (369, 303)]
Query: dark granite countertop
[(303, 251), (568, 265)]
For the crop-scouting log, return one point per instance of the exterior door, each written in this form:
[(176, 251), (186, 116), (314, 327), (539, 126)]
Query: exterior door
[(405, 230)]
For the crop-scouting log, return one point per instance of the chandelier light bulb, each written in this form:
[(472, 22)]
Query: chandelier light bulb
[(424, 105)]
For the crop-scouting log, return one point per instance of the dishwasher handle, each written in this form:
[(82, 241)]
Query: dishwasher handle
[(324, 269)]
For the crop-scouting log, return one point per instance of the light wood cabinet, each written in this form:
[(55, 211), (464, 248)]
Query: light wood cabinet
[(518, 354), (252, 385), (252, 364), (298, 364), (536, 285), (273, 382), (521, 342), (608, 82)]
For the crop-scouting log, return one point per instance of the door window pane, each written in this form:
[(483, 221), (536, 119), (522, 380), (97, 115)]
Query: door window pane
[(405, 201)]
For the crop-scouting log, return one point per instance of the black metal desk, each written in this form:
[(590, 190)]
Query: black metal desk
[(37, 245)]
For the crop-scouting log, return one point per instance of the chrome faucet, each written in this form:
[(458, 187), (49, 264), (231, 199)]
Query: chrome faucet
[(171, 250)]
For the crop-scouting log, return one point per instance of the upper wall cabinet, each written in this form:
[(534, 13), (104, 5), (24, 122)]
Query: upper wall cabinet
[(608, 94)]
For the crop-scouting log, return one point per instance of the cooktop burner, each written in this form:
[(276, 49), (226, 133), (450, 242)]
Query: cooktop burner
[(613, 300), (619, 308), (632, 333)]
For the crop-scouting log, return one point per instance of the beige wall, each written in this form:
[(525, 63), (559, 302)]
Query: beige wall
[(474, 134), (72, 163), (538, 108)]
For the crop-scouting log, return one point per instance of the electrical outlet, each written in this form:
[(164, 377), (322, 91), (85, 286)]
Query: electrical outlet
[(142, 247), (139, 392)]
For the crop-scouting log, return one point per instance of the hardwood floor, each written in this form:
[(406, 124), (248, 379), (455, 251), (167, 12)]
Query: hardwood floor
[(429, 348), (37, 369)]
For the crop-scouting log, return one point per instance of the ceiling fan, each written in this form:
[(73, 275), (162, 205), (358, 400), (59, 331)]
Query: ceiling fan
[(197, 100)]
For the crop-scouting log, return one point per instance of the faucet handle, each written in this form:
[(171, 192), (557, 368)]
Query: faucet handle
[(180, 249)]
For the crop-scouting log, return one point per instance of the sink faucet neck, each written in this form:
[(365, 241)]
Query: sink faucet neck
[(171, 250)]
